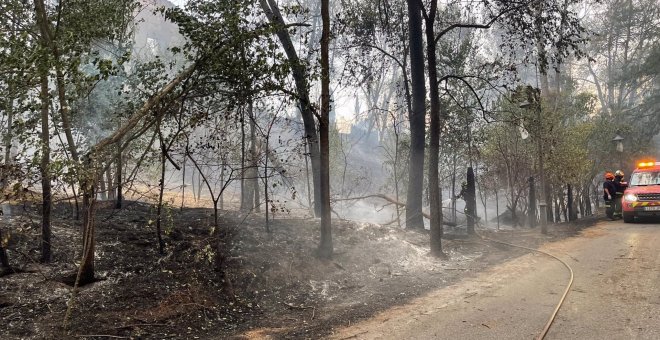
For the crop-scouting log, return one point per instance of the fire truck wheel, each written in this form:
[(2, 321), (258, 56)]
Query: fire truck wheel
[(628, 218)]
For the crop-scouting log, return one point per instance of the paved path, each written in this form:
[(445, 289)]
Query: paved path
[(616, 294)]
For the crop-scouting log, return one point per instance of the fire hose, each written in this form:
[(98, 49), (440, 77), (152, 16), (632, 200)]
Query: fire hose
[(568, 286)]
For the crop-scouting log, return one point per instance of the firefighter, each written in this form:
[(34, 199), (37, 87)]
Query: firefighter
[(462, 195), (620, 186), (609, 192)]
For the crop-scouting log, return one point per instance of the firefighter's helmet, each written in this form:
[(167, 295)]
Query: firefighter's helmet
[(608, 175), (618, 173)]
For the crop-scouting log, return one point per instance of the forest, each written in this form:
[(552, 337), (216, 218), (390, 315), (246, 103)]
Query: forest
[(149, 148)]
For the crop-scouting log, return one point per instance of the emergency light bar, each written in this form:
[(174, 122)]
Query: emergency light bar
[(647, 164)]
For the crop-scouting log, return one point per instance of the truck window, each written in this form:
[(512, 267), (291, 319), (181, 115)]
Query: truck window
[(645, 178)]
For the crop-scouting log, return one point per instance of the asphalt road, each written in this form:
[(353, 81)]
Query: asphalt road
[(615, 294)]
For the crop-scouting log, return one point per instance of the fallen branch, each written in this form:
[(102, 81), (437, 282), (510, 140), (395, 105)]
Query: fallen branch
[(391, 200)]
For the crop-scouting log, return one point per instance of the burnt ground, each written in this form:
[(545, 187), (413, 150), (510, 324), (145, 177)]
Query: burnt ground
[(273, 284)]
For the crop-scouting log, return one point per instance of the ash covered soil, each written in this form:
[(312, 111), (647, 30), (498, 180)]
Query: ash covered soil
[(258, 285)]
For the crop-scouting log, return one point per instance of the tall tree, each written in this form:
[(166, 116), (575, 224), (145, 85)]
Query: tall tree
[(325, 247), (44, 96), (435, 193), (301, 77), (414, 217)]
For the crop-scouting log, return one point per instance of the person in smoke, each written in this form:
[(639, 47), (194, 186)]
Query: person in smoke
[(620, 186), (609, 192), (461, 195)]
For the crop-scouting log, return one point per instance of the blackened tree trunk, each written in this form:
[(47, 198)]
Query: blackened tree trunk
[(435, 196), (244, 191), (86, 270), (414, 217), (119, 161), (325, 246), (471, 201), (557, 210), (46, 255), (572, 215), (301, 78), (159, 214)]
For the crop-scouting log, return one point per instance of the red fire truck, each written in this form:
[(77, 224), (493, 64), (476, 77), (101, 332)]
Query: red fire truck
[(642, 198)]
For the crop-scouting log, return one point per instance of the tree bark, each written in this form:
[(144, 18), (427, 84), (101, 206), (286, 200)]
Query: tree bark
[(531, 215), (471, 201), (244, 191), (435, 199), (325, 246), (86, 270), (416, 117), (110, 182), (300, 77), (253, 183), (46, 255), (119, 161), (159, 218)]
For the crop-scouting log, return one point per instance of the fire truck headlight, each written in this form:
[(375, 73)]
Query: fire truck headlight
[(630, 198)]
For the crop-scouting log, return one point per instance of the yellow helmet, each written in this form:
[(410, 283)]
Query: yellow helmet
[(618, 173)]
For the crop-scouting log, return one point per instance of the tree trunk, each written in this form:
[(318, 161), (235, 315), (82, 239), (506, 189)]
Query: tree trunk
[(6, 170), (120, 169), (570, 205), (532, 203), (325, 246), (108, 179), (183, 181), (453, 188), (548, 198), (244, 191), (159, 217), (300, 76), (250, 185), (414, 218), (396, 173), (102, 186), (254, 164), (587, 201), (435, 199), (46, 255), (471, 201), (86, 270), (557, 211)]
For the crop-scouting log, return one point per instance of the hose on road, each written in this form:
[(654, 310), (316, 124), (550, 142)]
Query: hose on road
[(568, 286)]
